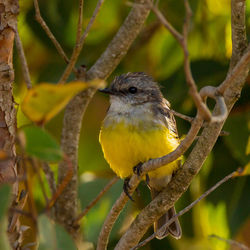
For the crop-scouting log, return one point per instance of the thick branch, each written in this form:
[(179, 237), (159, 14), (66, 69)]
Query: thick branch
[(118, 47)]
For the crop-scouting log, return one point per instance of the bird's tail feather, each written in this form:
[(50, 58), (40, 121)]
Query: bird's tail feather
[(173, 229)]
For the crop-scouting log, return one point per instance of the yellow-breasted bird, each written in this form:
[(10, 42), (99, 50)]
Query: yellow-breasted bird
[(139, 126)]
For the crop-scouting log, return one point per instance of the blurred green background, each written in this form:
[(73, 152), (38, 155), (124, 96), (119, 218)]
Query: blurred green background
[(226, 211)]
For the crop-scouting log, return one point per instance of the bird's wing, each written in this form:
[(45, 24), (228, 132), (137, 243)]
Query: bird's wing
[(164, 109)]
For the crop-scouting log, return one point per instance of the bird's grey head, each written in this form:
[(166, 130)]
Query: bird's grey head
[(134, 88)]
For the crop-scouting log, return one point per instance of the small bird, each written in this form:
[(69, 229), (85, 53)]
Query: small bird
[(138, 127)]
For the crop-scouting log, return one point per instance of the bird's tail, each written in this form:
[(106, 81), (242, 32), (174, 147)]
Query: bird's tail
[(173, 229)]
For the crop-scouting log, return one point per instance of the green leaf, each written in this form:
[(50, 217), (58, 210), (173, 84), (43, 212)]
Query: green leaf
[(53, 236), (41, 144), (4, 202)]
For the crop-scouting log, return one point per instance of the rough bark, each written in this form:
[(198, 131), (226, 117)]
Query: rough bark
[(8, 172)]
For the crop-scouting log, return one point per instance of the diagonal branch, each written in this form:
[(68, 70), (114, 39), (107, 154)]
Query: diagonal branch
[(80, 41), (24, 65), (186, 209), (48, 32)]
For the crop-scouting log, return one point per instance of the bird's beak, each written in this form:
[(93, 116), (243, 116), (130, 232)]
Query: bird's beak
[(106, 91)]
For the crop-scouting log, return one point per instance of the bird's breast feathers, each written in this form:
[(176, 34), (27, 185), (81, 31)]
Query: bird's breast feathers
[(130, 135)]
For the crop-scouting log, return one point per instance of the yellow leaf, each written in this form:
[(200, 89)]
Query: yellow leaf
[(46, 100)]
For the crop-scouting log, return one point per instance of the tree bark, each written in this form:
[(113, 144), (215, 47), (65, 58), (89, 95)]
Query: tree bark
[(8, 171)]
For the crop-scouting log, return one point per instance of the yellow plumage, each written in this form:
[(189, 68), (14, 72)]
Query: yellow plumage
[(125, 145)]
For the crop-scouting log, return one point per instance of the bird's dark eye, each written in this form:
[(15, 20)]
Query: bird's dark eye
[(132, 90)]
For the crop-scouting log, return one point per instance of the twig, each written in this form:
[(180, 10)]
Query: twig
[(190, 119), (186, 209), (62, 185), (79, 24), (166, 23), (33, 163), (184, 117), (231, 242), (98, 197), (80, 42), (182, 40), (24, 65), (48, 32), (114, 213), (49, 176)]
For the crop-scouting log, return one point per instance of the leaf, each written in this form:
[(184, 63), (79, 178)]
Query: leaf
[(46, 100), (53, 236), (5, 191), (39, 143)]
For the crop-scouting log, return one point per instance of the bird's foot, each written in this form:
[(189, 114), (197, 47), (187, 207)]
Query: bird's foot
[(126, 188), (137, 169)]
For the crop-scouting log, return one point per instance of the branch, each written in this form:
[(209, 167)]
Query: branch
[(93, 202), (231, 242), (239, 38), (24, 65), (116, 50), (80, 41), (48, 32), (182, 40), (186, 209)]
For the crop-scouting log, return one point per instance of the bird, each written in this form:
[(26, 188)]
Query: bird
[(139, 126)]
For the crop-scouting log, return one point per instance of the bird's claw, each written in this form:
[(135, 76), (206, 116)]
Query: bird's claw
[(126, 188), (137, 169)]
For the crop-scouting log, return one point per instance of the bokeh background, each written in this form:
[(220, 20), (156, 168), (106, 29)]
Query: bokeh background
[(225, 212)]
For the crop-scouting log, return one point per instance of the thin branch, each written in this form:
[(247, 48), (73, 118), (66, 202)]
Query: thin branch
[(230, 242), (24, 65), (182, 40), (49, 176), (189, 77), (186, 209), (36, 169), (93, 202), (114, 213), (166, 23), (48, 32), (79, 43), (79, 24), (62, 185), (184, 117)]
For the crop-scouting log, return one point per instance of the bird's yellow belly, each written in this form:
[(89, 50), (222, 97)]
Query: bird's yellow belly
[(124, 146)]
